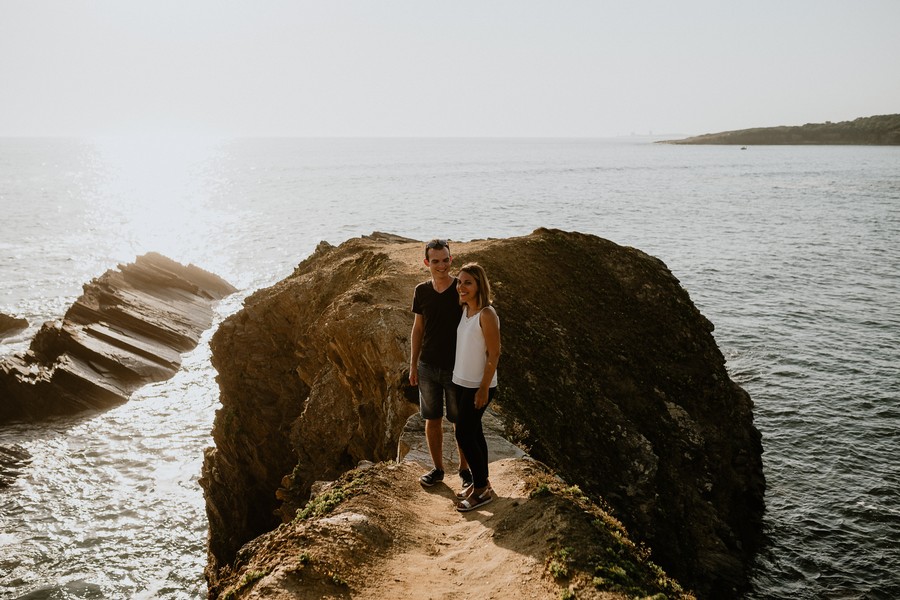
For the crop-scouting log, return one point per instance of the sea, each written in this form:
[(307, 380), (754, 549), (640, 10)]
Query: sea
[(793, 252)]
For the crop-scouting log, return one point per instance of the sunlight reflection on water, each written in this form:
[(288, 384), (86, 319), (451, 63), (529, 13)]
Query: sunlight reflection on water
[(154, 195)]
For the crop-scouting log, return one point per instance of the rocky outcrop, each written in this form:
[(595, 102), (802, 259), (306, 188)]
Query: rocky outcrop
[(312, 380), (11, 325), (127, 329), (609, 375)]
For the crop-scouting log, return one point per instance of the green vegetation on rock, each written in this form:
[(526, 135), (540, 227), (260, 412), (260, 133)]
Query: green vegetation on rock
[(881, 130), (346, 487), (598, 554)]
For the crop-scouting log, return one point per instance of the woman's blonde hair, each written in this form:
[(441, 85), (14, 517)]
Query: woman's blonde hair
[(481, 278)]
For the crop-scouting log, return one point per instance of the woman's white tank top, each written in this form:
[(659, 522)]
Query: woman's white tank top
[(471, 352)]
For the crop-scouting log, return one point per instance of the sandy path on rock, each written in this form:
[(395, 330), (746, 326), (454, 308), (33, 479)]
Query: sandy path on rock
[(454, 555)]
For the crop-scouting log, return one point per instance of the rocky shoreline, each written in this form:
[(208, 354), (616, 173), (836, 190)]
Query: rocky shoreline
[(610, 377), (880, 130)]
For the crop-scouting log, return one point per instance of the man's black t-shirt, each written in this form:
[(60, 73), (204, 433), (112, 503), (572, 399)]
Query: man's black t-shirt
[(441, 312)]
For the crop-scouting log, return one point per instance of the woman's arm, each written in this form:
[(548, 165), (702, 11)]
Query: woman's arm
[(490, 328)]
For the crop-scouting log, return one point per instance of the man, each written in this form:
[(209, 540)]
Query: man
[(433, 351)]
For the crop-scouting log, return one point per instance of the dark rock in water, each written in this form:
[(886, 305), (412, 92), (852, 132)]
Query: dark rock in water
[(11, 325), (609, 375), (12, 460), (126, 330)]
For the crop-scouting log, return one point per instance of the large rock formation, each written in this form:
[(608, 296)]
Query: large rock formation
[(127, 329), (609, 375), (11, 325)]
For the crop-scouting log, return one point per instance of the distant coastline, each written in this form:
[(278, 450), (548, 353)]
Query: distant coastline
[(880, 130)]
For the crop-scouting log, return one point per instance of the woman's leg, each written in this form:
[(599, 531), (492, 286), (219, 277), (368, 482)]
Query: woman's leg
[(479, 436), (470, 435)]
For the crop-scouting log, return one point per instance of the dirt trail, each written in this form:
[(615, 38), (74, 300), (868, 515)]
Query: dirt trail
[(456, 555), (386, 536)]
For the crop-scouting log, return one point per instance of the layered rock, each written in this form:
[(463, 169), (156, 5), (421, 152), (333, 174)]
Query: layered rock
[(609, 375), (126, 330), (11, 325)]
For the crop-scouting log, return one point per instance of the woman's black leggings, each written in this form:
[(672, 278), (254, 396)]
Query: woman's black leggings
[(470, 435)]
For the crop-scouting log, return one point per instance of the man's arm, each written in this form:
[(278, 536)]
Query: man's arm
[(415, 344)]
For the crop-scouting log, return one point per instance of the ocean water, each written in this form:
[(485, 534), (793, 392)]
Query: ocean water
[(792, 252)]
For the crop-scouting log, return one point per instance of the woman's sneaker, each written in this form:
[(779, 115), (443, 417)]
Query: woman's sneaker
[(431, 477)]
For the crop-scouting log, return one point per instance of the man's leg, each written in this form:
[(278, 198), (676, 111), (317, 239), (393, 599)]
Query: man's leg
[(434, 435), (431, 407)]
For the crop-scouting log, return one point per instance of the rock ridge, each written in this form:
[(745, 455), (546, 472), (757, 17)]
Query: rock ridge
[(10, 325), (610, 376), (126, 330)]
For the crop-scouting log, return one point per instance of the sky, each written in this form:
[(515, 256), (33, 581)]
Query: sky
[(422, 68)]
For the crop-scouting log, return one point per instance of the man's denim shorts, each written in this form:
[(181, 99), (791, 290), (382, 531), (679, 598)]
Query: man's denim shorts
[(436, 386)]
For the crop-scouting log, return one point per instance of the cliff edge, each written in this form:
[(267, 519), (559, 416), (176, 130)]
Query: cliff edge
[(609, 376)]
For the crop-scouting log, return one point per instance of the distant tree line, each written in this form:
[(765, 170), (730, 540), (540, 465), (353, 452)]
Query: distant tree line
[(881, 130)]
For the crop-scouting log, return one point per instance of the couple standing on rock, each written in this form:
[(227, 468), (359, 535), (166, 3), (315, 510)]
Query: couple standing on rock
[(455, 346)]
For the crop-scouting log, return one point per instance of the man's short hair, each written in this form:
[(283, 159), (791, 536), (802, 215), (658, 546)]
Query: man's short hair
[(436, 244)]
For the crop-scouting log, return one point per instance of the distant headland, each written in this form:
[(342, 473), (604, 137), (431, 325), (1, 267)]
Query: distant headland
[(880, 130)]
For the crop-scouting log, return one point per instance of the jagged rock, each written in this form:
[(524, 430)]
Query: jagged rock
[(11, 325), (609, 375), (126, 330)]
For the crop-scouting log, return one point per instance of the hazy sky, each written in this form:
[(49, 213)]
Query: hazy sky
[(453, 68)]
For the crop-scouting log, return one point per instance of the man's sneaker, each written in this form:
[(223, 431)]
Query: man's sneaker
[(466, 476), (431, 477)]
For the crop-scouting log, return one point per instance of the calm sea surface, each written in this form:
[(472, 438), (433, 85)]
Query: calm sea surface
[(793, 253)]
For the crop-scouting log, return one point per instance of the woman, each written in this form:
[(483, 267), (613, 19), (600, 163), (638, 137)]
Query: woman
[(475, 375)]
